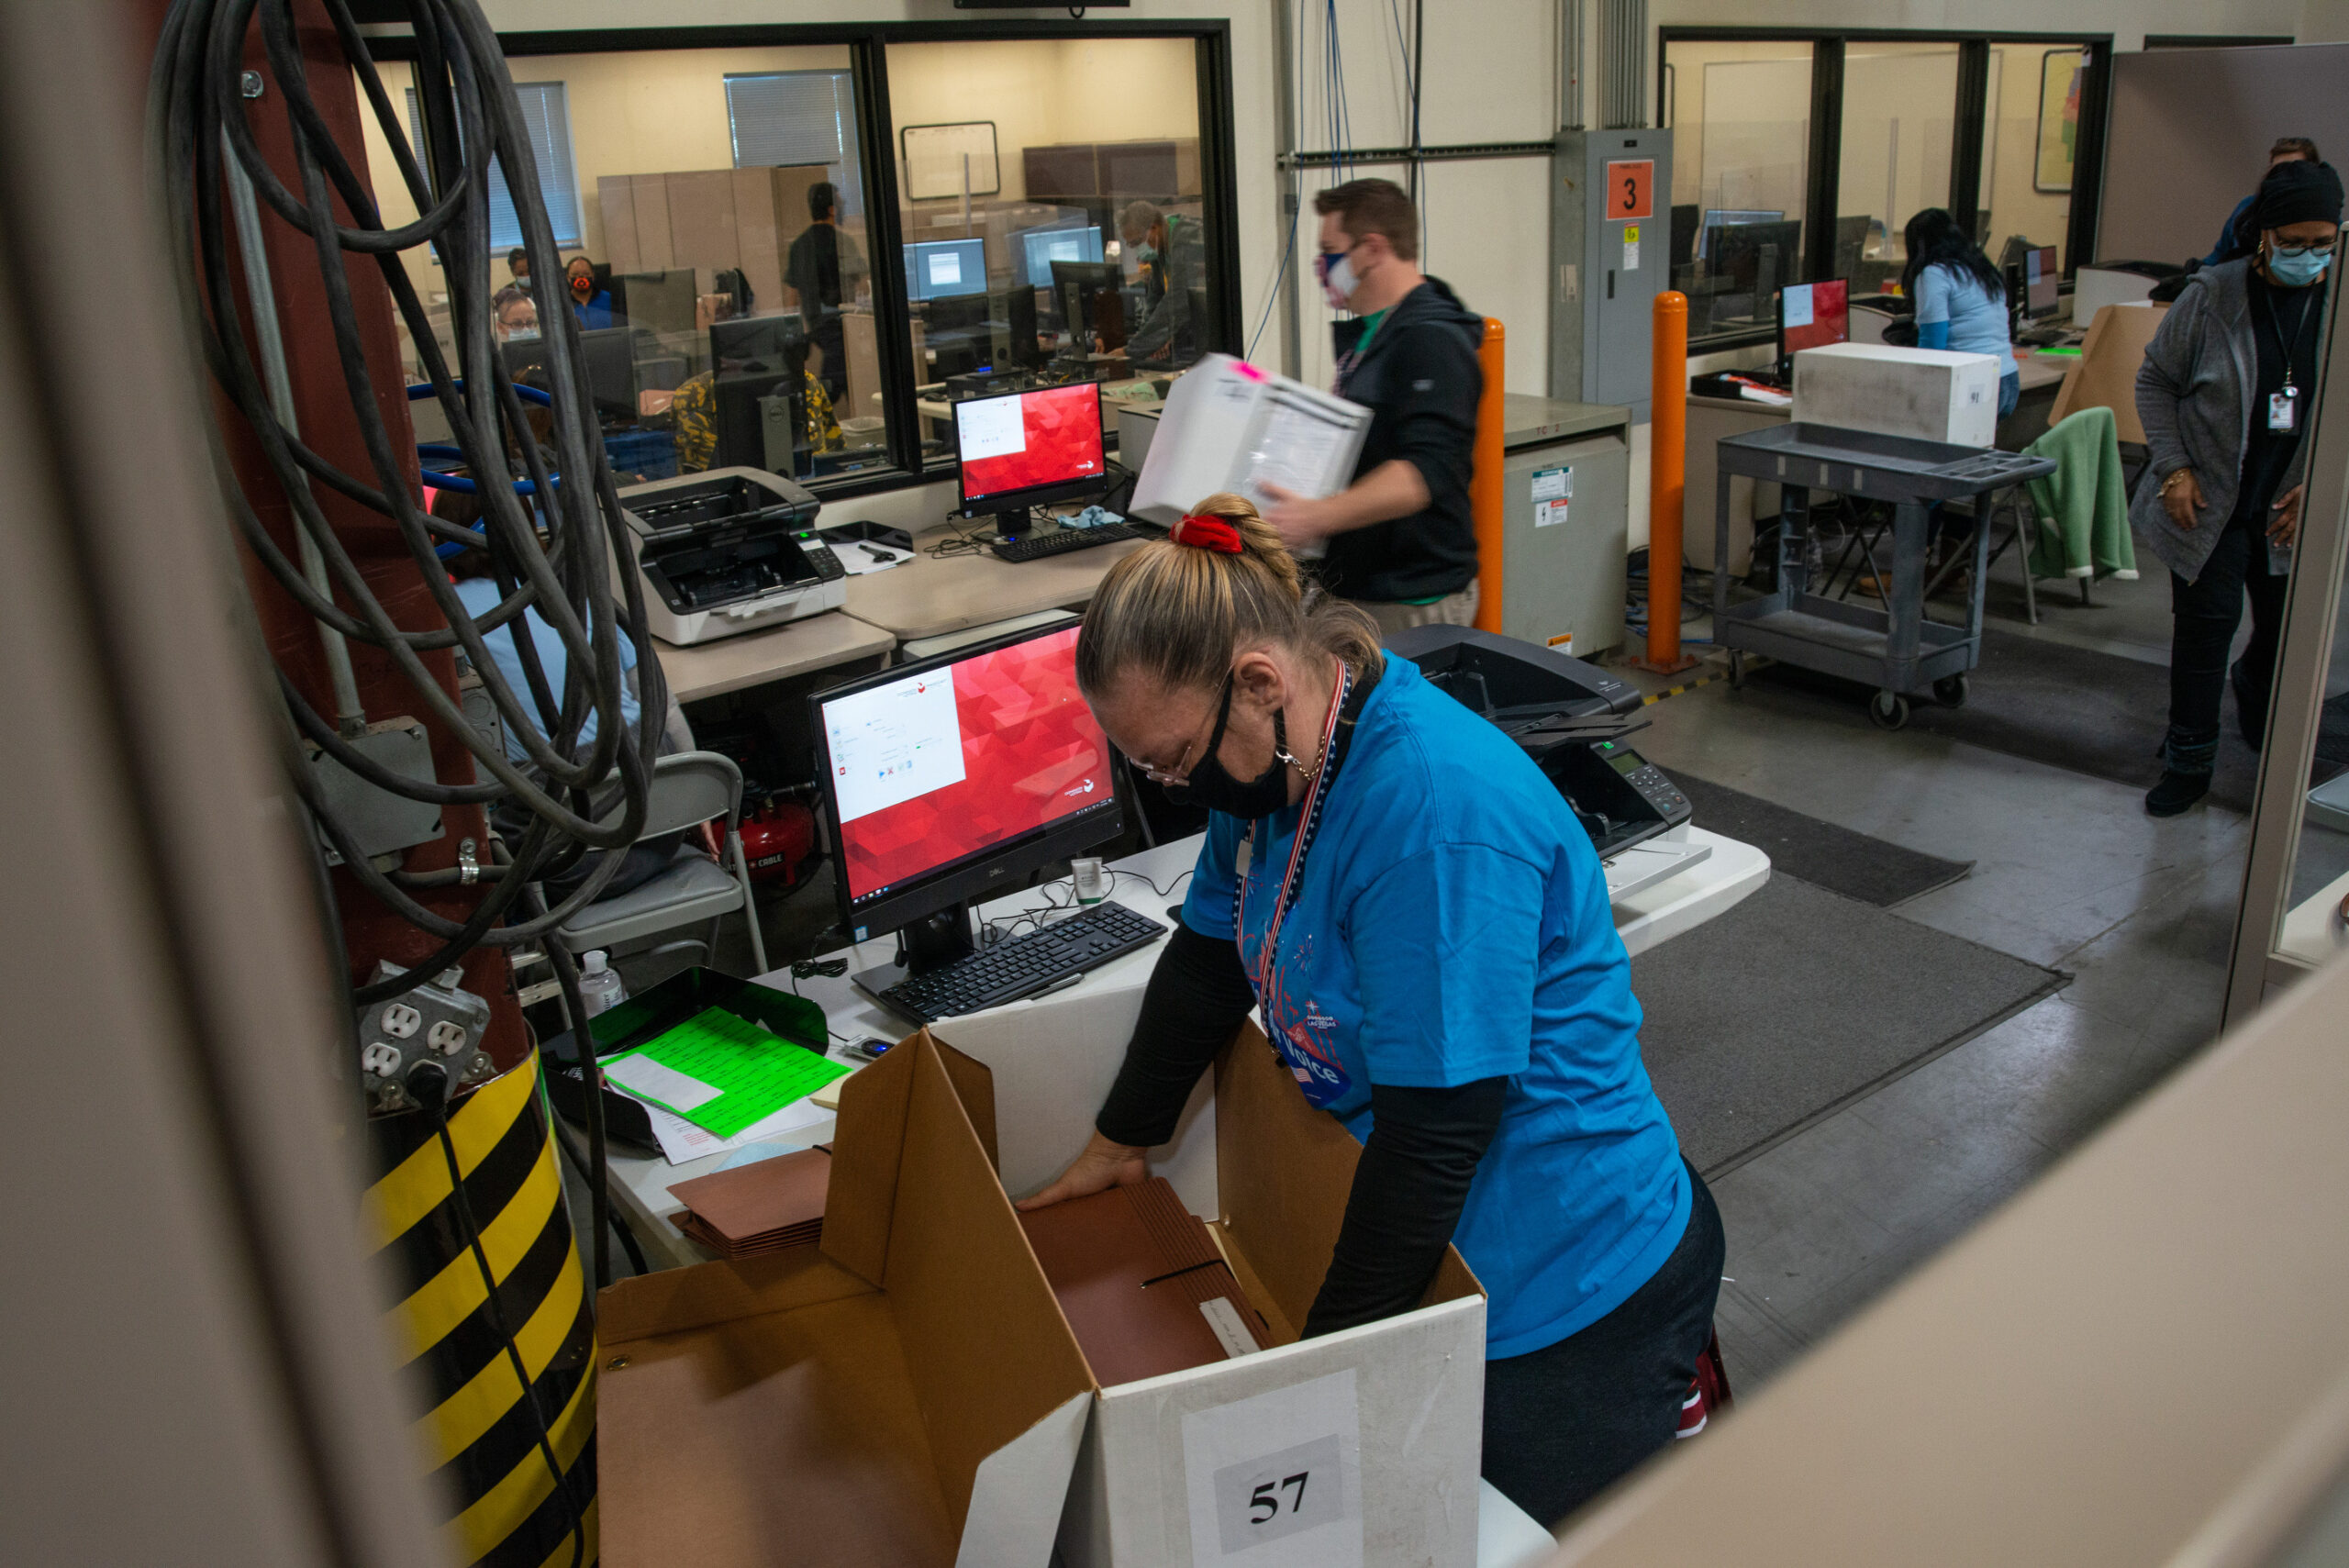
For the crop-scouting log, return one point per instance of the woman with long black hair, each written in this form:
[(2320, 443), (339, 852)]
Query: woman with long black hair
[(1961, 299)]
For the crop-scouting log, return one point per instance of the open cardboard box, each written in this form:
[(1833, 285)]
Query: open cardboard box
[(905, 1393), (1197, 1466)]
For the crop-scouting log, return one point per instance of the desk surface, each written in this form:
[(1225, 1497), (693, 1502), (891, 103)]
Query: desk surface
[(733, 664), (928, 596), (641, 1183), (2038, 370)]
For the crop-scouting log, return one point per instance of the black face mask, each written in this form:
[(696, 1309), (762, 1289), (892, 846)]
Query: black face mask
[(1212, 786)]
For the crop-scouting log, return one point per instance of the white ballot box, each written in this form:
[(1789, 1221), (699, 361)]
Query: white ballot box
[(1933, 395), (1229, 426)]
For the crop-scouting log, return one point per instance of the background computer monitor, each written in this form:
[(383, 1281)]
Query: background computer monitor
[(1019, 449), (658, 302), (2040, 278), (756, 343), (1039, 248), (739, 422), (1757, 259), (1812, 316), (940, 269), (609, 354), (954, 777), (1727, 217), (1086, 293)]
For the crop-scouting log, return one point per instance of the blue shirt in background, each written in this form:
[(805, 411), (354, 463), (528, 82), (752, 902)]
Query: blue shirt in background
[(595, 312), (480, 595), (1976, 317), (1452, 924)]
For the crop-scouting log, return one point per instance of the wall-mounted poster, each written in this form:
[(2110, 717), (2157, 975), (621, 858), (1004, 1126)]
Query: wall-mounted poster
[(2060, 70)]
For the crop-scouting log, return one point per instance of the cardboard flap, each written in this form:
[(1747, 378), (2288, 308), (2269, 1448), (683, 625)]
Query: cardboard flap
[(1016, 1497), (1285, 1172), (676, 1301), (868, 1142), (987, 1346)]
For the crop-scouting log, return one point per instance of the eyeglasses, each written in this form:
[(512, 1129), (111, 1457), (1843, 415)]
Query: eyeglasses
[(1180, 773), (2322, 248)]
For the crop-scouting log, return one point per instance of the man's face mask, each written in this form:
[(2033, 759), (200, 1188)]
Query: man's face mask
[(1338, 279)]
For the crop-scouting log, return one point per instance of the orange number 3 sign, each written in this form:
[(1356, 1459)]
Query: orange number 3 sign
[(1630, 190)]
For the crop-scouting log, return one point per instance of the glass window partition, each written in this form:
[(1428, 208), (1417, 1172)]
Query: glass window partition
[(1052, 216), (1740, 112), (717, 219), (2031, 126), (1899, 128)]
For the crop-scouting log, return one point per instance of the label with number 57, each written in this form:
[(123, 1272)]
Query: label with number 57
[(1284, 1467)]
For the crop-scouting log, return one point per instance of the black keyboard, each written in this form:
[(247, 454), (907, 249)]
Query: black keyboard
[(1025, 964), (1059, 541)]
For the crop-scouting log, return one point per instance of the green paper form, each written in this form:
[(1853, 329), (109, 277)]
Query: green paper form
[(721, 1072)]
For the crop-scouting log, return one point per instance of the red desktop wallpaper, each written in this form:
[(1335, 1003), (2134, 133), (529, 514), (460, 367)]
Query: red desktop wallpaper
[(1031, 754), (1830, 317), (1062, 426)]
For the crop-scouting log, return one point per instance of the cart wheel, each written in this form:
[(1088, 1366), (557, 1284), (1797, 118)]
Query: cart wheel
[(1888, 710), (1736, 670), (1951, 690)]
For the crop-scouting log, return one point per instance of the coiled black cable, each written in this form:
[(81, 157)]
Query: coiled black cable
[(548, 554), (198, 117)]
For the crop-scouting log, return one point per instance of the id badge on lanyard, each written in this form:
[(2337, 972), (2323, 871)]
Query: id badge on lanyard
[(2283, 409)]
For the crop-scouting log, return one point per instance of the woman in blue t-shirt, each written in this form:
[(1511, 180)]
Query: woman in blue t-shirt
[(1961, 299), (1437, 962)]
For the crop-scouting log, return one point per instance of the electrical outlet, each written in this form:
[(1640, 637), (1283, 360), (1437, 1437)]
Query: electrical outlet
[(434, 1020)]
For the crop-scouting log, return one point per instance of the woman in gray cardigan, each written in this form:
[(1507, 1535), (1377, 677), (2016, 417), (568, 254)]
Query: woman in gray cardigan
[(2223, 393)]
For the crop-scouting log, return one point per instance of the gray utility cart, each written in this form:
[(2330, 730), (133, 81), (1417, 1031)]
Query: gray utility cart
[(1894, 649)]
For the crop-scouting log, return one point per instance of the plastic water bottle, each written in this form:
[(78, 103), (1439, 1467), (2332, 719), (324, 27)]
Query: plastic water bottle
[(599, 985)]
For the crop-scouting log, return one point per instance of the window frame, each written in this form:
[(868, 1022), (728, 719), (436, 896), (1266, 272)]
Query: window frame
[(868, 44), (419, 135), (1825, 152)]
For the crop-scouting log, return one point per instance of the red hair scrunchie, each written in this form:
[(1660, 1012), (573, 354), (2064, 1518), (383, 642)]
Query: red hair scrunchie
[(1207, 533)]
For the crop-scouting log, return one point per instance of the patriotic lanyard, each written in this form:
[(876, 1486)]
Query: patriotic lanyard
[(1267, 960)]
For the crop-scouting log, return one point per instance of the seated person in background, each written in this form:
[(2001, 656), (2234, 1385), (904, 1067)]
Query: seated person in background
[(1173, 255), (590, 301), (695, 409), (2232, 239), (477, 591), (517, 263), (1961, 299), (517, 319)]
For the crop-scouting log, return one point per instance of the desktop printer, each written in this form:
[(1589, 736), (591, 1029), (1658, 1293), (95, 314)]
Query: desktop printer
[(1569, 717), (718, 555)]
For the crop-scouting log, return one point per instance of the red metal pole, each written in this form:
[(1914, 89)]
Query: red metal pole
[(1668, 481)]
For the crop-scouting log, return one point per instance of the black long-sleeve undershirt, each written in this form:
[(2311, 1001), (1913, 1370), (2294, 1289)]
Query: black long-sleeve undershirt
[(1416, 1168)]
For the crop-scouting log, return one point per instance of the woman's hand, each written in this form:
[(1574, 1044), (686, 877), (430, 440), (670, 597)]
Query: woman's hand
[(1103, 1166), (2182, 498), (2284, 525)]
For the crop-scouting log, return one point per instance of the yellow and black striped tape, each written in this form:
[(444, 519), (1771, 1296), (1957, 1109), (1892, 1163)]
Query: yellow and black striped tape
[(1753, 661), (480, 1439)]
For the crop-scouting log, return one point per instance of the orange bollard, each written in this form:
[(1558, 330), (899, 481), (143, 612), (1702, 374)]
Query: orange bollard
[(1485, 497), (1668, 483)]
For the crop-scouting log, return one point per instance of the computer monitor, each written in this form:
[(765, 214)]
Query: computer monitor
[(941, 268), (658, 301), (1018, 449), (1683, 234), (1086, 293), (757, 343), (1039, 248), (1011, 325), (738, 418), (1757, 259), (2040, 278), (1812, 316), (956, 777), (1727, 217), (609, 354)]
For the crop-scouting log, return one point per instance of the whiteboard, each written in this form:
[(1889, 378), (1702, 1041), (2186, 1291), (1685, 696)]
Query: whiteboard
[(934, 154)]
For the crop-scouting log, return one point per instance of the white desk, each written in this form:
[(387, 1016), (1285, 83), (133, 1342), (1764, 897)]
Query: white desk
[(641, 1183)]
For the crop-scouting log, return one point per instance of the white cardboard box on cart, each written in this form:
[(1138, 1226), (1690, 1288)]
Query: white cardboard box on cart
[(1199, 1468)]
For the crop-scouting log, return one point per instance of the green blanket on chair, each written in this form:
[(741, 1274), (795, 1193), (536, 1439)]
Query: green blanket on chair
[(2082, 511)]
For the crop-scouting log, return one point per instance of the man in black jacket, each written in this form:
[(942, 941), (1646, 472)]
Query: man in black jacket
[(823, 270), (1399, 540)]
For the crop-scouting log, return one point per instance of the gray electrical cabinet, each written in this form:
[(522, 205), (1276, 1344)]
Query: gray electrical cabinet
[(1610, 253), (1566, 510)]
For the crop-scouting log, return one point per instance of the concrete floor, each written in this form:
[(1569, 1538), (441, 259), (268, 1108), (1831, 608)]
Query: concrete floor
[(2068, 871)]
